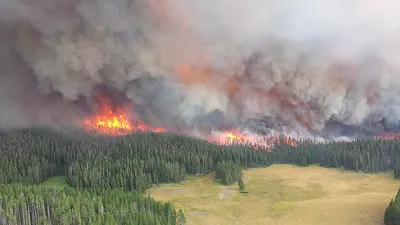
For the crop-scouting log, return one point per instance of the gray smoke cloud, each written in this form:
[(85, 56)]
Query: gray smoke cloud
[(301, 65), (21, 104)]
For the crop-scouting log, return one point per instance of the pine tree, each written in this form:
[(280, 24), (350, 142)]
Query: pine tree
[(181, 217), (392, 213)]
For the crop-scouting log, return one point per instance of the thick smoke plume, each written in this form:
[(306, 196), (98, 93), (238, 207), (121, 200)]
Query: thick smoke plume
[(314, 67)]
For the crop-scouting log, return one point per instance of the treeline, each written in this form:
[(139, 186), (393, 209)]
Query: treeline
[(133, 162), (140, 160), (392, 213), (365, 155), (43, 205)]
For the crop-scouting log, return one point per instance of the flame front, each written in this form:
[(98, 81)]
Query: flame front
[(395, 136), (111, 120), (228, 137), (255, 140), (109, 123), (115, 121)]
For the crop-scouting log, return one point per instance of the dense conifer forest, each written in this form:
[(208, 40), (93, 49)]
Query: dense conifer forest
[(138, 161), (44, 205)]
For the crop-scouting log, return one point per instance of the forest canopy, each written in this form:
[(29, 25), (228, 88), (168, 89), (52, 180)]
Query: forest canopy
[(107, 174)]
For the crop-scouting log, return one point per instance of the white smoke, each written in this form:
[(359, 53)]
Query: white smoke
[(303, 63)]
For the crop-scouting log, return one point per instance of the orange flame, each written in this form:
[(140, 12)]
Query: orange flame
[(256, 141), (109, 123), (228, 137), (114, 122), (394, 136)]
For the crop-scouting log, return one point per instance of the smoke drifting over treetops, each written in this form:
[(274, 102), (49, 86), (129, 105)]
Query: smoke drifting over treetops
[(294, 65)]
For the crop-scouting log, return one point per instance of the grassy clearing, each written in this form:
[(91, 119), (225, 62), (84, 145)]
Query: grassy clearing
[(58, 182), (285, 194)]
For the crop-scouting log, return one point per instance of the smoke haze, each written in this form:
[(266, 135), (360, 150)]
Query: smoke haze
[(311, 67)]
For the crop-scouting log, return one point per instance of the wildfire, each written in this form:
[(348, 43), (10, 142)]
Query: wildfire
[(115, 121), (394, 136), (229, 137), (112, 120), (109, 123), (256, 141)]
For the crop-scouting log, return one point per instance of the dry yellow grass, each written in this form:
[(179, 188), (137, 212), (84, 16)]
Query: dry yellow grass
[(285, 194)]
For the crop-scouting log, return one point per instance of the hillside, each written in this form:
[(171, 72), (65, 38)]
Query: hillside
[(140, 161), (285, 194)]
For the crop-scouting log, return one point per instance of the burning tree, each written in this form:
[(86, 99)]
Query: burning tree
[(109, 119)]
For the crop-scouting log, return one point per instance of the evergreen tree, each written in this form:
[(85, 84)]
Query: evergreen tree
[(181, 217), (241, 185), (392, 213), (43, 205), (137, 161), (227, 172)]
